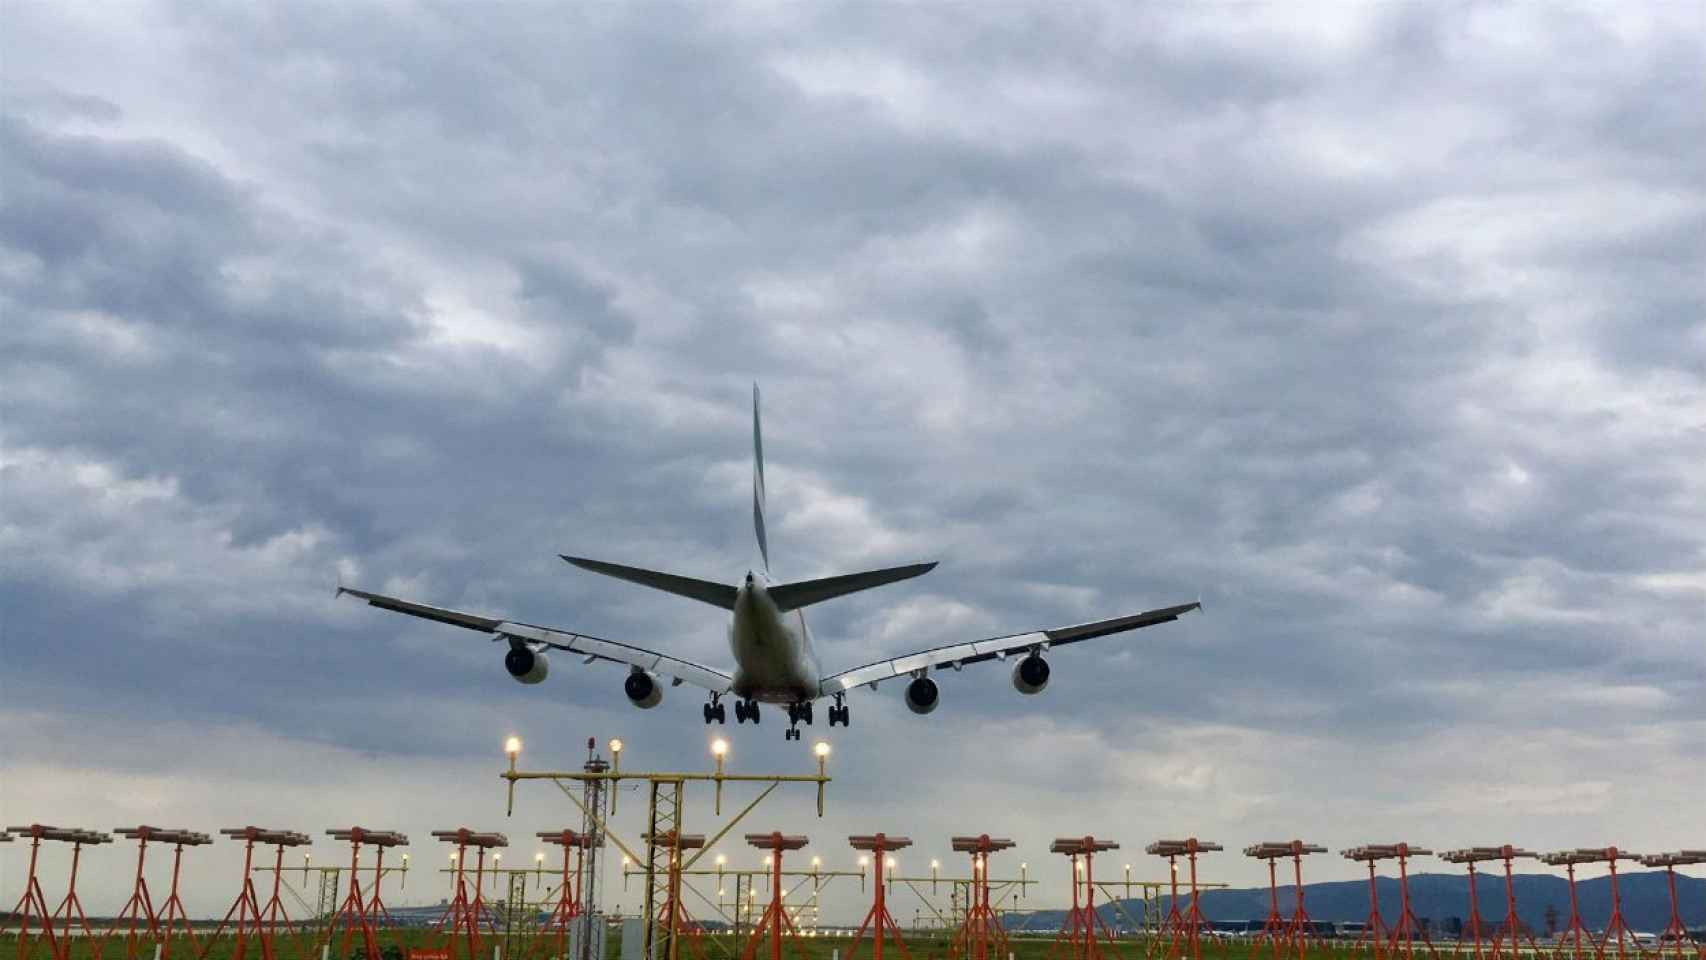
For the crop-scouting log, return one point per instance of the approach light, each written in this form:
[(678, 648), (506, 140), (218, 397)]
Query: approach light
[(616, 745), (767, 859), (817, 861), (405, 858), (497, 858), (822, 749), (453, 858), (719, 747), (890, 863), (721, 859), (864, 862), (512, 746), (935, 864), (539, 857)]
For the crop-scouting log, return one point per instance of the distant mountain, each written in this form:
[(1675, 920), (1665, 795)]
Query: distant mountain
[(1438, 897)]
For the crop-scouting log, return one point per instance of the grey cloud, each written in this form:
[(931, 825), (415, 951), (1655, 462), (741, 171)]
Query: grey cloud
[(1383, 339)]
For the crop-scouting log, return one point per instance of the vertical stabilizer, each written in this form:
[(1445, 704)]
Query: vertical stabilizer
[(758, 482)]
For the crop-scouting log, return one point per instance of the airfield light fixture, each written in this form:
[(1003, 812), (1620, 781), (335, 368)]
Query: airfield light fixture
[(817, 862), (512, 746), (864, 862)]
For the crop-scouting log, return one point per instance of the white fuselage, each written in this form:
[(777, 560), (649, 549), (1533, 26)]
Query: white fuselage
[(774, 659)]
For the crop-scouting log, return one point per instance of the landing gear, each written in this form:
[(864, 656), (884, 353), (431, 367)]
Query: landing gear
[(745, 709), (715, 712), (838, 713), (798, 712)]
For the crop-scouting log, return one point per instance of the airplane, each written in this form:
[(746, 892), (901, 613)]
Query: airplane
[(775, 661)]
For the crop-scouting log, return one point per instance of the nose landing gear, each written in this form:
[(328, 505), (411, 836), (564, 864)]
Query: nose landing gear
[(798, 712)]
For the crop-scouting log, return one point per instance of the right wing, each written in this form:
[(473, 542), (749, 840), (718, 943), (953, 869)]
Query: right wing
[(678, 670), (998, 648)]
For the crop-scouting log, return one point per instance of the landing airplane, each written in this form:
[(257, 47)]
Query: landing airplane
[(774, 659)]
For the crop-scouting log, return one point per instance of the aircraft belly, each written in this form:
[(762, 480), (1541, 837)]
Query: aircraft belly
[(769, 666)]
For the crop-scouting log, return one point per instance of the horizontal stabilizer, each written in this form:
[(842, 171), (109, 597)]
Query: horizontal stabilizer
[(792, 596), (715, 594)]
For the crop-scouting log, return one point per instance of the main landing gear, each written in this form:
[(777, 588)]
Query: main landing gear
[(715, 712), (838, 713), (746, 709)]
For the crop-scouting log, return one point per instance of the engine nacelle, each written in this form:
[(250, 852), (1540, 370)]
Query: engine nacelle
[(643, 691), (922, 695), (526, 665), (1030, 675)]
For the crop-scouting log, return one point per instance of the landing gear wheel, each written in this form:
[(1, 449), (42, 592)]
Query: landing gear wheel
[(838, 714), (708, 714), (716, 713), (792, 733)]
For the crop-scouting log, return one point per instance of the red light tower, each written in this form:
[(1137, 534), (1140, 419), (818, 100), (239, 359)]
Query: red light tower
[(555, 932), (1193, 920), (463, 916), (1676, 932), (1408, 929), (1078, 937), (173, 916), (1470, 857), (57, 933), (252, 918), (1295, 931), (139, 909), (672, 914), (1615, 927), (1576, 931), (981, 936), (776, 919), (877, 919), (357, 912)]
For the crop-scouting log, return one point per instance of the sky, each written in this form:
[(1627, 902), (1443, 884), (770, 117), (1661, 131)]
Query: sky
[(1379, 327)]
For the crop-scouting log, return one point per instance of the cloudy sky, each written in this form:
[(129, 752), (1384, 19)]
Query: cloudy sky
[(1378, 326)]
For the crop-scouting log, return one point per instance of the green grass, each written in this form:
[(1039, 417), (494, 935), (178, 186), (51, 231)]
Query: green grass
[(394, 944)]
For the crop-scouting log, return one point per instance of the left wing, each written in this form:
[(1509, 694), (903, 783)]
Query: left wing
[(526, 634), (997, 648)]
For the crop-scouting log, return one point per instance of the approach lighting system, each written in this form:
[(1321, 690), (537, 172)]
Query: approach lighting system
[(719, 747), (512, 746), (822, 749)]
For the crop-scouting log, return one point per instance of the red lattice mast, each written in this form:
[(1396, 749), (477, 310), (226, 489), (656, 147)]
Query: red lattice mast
[(463, 916), (877, 919), (1676, 932), (252, 919), (1294, 931), (1193, 919), (775, 924), (555, 932), (981, 936)]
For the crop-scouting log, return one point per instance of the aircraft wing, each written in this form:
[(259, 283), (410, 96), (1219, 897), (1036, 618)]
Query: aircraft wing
[(997, 648), (679, 671)]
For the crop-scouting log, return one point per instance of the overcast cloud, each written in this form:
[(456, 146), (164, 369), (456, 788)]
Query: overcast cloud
[(1378, 326)]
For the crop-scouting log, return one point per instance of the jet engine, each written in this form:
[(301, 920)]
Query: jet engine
[(526, 665), (922, 695), (643, 691), (1030, 675)]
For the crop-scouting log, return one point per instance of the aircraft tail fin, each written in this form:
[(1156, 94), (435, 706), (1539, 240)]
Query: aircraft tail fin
[(715, 594), (758, 482), (792, 596)]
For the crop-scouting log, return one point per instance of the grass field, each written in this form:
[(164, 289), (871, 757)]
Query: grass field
[(395, 944)]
